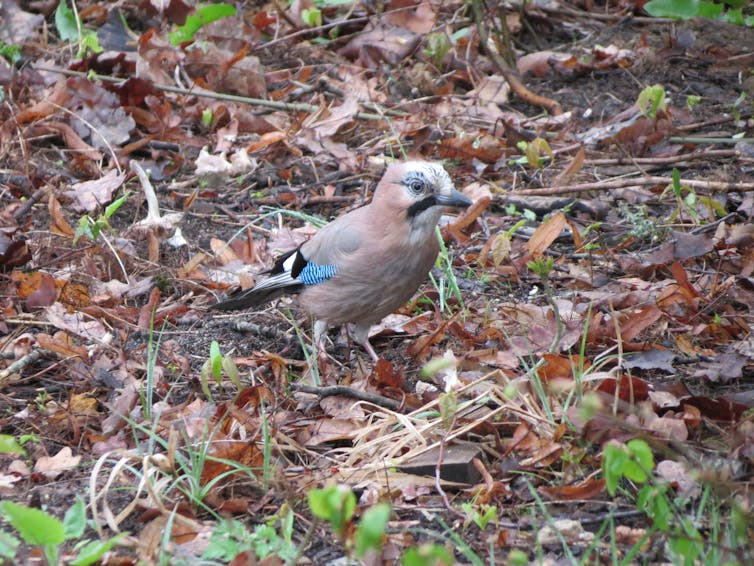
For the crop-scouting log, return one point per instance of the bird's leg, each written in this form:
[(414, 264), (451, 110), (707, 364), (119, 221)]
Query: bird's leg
[(320, 331), (361, 335)]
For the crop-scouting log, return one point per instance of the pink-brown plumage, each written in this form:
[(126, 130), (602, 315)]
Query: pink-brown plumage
[(369, 262)]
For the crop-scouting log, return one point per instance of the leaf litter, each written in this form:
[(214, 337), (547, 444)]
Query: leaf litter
[(640, 329)]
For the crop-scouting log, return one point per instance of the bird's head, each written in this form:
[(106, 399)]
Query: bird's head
[(418, 190)]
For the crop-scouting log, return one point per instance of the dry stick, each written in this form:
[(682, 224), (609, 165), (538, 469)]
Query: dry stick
[(630, 182), (510, 75), (344, 391), (31, 201), (20, 364), (274, 104), (307, 201), (712, 153)]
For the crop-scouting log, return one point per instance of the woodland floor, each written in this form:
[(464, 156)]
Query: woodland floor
[(640, 330)]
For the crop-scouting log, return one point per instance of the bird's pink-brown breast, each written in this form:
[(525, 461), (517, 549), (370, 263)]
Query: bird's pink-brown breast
[(375, 277)]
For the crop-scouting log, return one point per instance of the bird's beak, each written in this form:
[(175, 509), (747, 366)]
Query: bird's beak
[(454, 199)]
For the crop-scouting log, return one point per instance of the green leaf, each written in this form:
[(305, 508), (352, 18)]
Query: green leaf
[(74, 521), (89, 42), (8, 546), (312, 17), (427, 555), (9, 445), (35, 527), (438, 46), (204, 15), (91, 552), (65, 22), (642, 454), (113, 207), (207, 117), (651, 99), (613, 461), (371, 530), (335, 504), (216, 360), (231, 370)]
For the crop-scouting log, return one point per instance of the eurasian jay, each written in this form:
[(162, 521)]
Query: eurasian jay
[(367, 263)]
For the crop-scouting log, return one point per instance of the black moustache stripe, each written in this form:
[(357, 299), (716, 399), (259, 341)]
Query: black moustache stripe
[(421, 206)]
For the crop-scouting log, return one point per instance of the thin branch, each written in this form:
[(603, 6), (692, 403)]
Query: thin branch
[(508, 72), (343, 391), (633, 181)]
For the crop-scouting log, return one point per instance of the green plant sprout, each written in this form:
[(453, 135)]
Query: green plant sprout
[(68, 25), (216, 365), (729, 11), (437, 47), (39, 528), (445, 264), (312, 17), (9, 445), (651, 100), (203, 15), (92, 228), (536, 152), (337, 505)]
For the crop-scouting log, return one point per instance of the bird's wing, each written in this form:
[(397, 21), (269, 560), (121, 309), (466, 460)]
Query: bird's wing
[(336, 241), (315, 261)]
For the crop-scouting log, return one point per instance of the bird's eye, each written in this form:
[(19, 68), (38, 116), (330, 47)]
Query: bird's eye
[(416, 186)]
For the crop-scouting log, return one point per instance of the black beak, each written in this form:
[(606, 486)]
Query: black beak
[(454, 199)]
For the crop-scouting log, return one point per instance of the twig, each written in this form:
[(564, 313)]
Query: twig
[(307, 201), (702, 139), (20, 364), (341, 390), (508, 72), (632, 181), (31, 201), (712, 153)]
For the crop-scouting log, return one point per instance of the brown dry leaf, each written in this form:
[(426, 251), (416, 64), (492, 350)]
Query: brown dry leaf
[(84, 404), (540, 63), (630, 389), (567, 175), (481, 146), (590, 488), (625, 535), (52, 467), (221, 70), (546, 234), (561, 367), (494, 357), (39, 289), (676, 474), (244, 452), (58, 224), (634, 323), (381, 42), (420, 20), (670, 428), (340, 407), (74, 295), (61, 344), (73, 141), (91, 195), (266, 140), (328, 430), (77, 323)]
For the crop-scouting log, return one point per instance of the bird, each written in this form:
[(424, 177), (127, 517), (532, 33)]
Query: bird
[(368, 262)]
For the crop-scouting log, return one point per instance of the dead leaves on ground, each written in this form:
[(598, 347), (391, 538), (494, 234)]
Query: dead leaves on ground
[(647, 325)]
